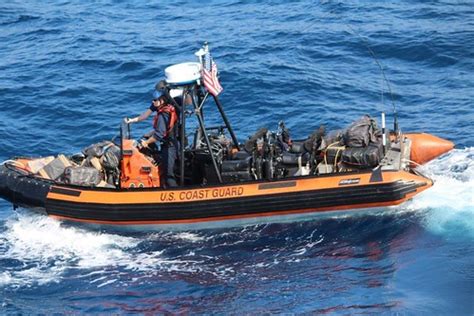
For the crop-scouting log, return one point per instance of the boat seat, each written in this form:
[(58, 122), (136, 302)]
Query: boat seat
[(240, 155), (294, 159), (297, 148), (237, 170)]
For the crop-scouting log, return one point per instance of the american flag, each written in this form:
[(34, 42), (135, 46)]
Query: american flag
[(209, 75)]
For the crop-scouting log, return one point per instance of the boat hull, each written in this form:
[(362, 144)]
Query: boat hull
[(232, 203)]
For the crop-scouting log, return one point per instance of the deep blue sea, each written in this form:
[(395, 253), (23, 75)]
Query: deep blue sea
[(71, 70)]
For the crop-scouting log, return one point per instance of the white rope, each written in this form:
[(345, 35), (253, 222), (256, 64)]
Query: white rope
[(13, 162)]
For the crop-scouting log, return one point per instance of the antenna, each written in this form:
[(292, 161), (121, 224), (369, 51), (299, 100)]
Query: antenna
[(202, 51), (395, 114)]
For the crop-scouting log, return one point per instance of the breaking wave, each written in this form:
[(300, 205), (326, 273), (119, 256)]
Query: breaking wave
[(449, 204), (47, 250)]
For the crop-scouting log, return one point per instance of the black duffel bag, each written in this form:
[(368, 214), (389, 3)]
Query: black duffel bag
[(361, 133), (111, 158), (97, 150), (366, 157)]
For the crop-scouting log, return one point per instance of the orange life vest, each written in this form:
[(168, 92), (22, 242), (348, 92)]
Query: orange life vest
[(173, 117)]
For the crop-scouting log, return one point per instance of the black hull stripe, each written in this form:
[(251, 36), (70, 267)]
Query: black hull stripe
[(65, 191), (278, 185), (235, 206)]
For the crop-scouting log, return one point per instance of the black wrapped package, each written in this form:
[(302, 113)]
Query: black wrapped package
[(84, 176)]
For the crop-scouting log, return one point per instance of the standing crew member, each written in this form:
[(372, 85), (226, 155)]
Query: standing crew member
[(165, 132)]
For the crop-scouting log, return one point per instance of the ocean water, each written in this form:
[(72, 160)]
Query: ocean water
[(70, 71)]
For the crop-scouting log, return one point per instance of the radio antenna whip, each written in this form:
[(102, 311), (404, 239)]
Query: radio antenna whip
[(364, 40)]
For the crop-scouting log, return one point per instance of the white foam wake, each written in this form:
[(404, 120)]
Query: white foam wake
[(43, 251), (450, 202)]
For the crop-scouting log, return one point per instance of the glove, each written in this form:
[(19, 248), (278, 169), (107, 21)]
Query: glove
[(143, 144), (131, 120)]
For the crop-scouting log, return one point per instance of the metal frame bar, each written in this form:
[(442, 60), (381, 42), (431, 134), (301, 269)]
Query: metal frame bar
[(182, 136), (190, 90), (197, 111), (226, 121)]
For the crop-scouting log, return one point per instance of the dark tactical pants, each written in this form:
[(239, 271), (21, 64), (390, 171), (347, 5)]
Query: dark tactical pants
[(169, 155)]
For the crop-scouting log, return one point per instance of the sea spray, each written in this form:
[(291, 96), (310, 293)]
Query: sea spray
[(449, 204), (47, 249)]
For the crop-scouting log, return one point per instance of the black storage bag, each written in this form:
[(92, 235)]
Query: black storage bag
[(97, 150), (111, 158), (361, 133), (367, 157), (84, 176)]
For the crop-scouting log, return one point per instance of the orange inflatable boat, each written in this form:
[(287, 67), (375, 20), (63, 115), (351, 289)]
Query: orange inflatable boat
[(331, 185), (221, 180)]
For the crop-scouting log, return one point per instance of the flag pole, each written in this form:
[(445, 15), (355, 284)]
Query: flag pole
[(201, 52), (204, 51)]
